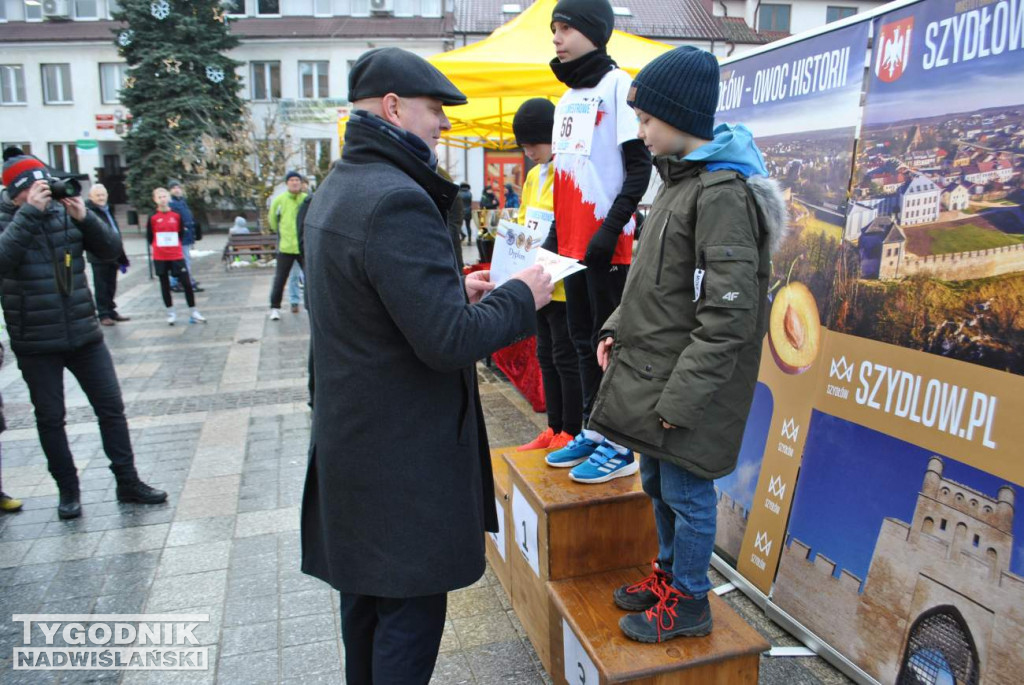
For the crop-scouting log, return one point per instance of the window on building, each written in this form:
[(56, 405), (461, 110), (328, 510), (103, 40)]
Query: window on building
[(266, 81), (313, 79), (430, 8), (316, 157), (63, 156), (236, 7), (406, 8), (773, 18), (3, 11), (12, 84), (836, 13), (942, 524), (323, 8), (360, 8), (112, 76), (271, 7), (112, 6), (57, 84), (977, 540), (86, 9), (33, 10)]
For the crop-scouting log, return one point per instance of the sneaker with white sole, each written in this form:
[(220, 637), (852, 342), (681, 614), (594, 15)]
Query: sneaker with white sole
[(196, 317), (275, 314), (604, 465), (576, 452), (171, 318)]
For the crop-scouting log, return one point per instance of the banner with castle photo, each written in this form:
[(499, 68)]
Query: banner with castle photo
[(904, 549), (905, 545), (802, 103), (934, 242)]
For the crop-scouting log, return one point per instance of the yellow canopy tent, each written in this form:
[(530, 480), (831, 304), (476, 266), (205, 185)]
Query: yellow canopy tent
[(512, 65)]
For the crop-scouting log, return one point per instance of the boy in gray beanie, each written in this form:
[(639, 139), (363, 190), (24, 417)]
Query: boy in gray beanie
[(685, 342)]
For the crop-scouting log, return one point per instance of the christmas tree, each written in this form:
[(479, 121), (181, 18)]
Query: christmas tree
[(181, 86)]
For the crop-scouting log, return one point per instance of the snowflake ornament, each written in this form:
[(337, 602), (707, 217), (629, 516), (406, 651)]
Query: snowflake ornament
[(215, 74), (124, 39), (160, 10)]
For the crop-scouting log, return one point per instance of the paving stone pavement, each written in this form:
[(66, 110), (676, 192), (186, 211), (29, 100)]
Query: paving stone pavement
[(218, 418)]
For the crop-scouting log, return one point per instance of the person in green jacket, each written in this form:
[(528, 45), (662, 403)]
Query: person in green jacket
[(284, 212), (681, 352)]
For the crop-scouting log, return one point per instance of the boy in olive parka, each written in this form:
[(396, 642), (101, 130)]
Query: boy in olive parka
[(681, 352)]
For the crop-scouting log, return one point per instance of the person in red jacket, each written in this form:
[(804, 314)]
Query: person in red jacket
[(165, 231)]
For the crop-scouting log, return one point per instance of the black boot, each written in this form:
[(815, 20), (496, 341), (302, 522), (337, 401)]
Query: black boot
[(69, 506), (140, 493)]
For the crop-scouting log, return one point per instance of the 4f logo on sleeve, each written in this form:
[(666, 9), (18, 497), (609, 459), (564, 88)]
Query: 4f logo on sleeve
[(892, 49), (731, 296)]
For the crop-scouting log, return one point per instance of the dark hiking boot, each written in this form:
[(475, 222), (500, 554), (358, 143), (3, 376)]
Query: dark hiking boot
[(69, 507), (138, 492), (643, 595), (675, 615)]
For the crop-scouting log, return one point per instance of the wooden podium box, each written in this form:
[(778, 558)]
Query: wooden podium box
[(497, 545), (584, 631), (562, 529)]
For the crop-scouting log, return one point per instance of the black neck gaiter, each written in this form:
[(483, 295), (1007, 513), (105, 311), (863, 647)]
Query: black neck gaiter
[(584, 72)]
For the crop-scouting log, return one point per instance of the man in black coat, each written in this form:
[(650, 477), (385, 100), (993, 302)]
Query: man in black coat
[(399, 489), (104, 271), (52, 323)]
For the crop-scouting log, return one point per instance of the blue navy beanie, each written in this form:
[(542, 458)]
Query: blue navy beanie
[(679, 87), (293, 174), (595, 19)]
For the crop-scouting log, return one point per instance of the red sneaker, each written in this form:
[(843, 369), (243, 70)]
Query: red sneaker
[(540, 442), (559, 441)]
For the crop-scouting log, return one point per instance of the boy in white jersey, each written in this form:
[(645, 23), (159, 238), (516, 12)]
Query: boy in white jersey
[(601, 172)]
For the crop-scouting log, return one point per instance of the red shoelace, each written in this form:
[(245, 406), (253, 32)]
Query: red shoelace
[(657, 579), (664, 612)]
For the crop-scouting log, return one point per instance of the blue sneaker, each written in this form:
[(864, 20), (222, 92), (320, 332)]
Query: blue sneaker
[(577, 451), (604, 465)]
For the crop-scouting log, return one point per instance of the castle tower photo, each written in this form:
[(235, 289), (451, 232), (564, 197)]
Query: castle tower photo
[(939, 604)]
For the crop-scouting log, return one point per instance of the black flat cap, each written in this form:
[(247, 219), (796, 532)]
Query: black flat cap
[(393, 70)]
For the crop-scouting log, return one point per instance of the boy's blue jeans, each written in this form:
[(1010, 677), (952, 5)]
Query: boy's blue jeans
[(685, 512)]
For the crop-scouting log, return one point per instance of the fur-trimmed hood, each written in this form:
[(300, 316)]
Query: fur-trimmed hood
[(772, 203)]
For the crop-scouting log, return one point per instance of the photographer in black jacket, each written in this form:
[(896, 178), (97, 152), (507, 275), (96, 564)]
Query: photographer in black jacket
[(52, 322)]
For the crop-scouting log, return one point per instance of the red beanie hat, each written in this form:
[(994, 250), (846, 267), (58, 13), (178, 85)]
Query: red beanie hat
[(21, 171)]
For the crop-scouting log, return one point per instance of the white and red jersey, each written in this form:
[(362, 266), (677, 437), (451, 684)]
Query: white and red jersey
[(166, 229), (592, 124)]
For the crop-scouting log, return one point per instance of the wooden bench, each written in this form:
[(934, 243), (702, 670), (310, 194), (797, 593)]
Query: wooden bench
[(585, 631), (248, 245)]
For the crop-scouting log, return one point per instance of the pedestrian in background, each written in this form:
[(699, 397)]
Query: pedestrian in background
[(284, 212), (179, 205), (104, 271), (466, 195)]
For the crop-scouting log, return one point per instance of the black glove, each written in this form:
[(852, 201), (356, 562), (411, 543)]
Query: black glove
[(601, 247), (551, 242)]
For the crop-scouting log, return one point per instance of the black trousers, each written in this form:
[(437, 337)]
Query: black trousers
[(104, 279), (591, 296), (281, 273), (469, 229), (94, 369), (559, 369), (391, 641), (179, 270)]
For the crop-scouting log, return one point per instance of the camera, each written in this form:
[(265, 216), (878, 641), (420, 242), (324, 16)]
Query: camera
[(65, 185)]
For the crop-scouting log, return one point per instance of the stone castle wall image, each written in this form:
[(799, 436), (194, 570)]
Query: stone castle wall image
[(955, 553), (731, 525), (958, 266)]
